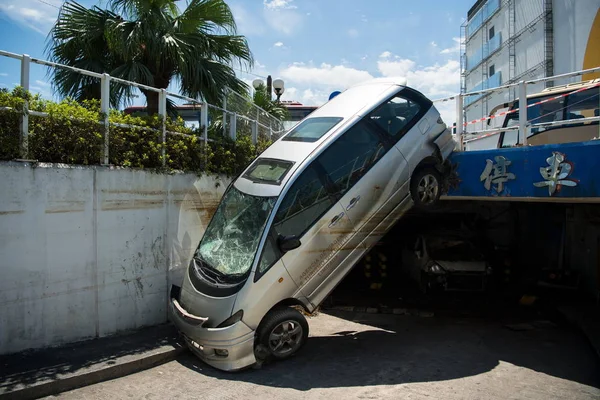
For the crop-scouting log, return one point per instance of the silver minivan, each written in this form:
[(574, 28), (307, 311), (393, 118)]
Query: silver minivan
[(294, 223)]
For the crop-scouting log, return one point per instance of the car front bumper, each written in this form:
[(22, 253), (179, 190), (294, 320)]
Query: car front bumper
[(211, 344)]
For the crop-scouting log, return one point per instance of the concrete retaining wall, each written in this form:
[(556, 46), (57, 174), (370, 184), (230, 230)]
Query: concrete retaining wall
[(91, 251)]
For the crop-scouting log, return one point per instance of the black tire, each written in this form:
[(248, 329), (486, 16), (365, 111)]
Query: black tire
[(274, 324), (426, 188)]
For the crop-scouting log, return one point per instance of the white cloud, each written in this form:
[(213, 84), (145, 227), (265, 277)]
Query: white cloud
[(279, 4), (433, 44), (353, 33), (3, 74), (453, 49), (395, 67), (278, 44), (385, 54), (42, 83), (291, 91), (31, 13), (325, 75), (313, 84)]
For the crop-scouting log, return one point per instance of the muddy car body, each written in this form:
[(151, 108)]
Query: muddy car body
[(293, 224)]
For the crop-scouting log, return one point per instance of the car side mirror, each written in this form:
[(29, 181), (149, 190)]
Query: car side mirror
[(287, 243)]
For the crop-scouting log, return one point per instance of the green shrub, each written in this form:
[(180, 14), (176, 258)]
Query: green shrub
[(72, 134)]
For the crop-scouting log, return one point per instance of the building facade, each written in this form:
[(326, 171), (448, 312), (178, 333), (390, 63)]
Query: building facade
[(506, 41)]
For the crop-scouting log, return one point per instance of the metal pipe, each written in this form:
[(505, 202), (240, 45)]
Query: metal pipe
[(105, 110), (459, 121), (25, 69), (162, 111), (523, 112)]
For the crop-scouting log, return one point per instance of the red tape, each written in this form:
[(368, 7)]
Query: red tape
[(530, 105)]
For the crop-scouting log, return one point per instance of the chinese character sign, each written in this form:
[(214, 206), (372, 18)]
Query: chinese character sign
[(556, 173), (495, 174)]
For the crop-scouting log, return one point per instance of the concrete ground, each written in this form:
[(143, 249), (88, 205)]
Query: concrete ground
[(374, 356)]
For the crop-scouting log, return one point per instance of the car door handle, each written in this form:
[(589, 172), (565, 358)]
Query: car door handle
[(335, 219), (353, 202)]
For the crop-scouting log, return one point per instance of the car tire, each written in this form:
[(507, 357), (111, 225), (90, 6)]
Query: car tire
[(426, 188), (282, 333)]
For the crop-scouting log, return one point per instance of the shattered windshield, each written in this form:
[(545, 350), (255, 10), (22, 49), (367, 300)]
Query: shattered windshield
[(231, 239)]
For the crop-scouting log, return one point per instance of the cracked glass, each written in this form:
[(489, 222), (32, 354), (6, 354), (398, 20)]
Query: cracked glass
[(231, 239)]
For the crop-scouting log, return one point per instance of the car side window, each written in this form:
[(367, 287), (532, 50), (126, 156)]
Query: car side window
[(350, 157), (269, 256), (396, 116), (305, 202)]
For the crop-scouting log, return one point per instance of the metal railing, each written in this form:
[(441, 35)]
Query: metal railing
[(260, 121), (524, 125)]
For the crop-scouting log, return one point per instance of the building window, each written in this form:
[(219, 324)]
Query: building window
[(492, 70), (491, 33)]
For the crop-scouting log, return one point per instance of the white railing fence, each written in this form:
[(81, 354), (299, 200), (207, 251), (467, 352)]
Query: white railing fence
[(239, 111), (520, 91)]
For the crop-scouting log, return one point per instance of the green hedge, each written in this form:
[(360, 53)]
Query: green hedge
[(71, 134)]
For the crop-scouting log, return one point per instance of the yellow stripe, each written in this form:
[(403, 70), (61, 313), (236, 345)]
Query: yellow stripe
[(591, 59)]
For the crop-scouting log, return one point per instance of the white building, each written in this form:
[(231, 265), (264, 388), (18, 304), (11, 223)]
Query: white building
[(506, 41)]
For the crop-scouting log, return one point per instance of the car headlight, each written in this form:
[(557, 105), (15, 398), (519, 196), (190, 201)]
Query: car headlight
[(232, 320), (435, 269)]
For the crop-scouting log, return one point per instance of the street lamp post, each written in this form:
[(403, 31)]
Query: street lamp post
[(277, 84)]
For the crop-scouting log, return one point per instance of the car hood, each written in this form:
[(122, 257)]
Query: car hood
[(462, 266)]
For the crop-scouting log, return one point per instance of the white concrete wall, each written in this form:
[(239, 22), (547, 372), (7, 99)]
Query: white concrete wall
[(573, 21), (91, 251)]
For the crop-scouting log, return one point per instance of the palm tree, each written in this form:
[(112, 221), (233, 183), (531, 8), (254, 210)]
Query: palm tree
[(150, 42)]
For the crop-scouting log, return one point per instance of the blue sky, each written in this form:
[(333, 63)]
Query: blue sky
[(315, 46)]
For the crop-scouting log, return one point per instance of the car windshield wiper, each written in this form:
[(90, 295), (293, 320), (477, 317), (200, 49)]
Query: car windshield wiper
[(204, 265)]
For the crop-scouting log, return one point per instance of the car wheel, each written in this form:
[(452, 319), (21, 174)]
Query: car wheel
[(282, 333), (426, 187)]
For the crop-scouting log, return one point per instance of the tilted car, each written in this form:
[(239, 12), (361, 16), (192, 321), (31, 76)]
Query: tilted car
[(294, 223)]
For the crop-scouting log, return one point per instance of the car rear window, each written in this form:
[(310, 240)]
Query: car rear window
[(311, 129), (268, 170)]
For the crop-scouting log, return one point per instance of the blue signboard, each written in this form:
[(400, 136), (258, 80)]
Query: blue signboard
[(569, 170)]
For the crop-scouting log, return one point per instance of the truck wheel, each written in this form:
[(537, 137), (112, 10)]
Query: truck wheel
[(426, 187), (283, 332)]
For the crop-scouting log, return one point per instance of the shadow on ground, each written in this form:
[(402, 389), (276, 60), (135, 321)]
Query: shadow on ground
[(390, 350), (31, 368)]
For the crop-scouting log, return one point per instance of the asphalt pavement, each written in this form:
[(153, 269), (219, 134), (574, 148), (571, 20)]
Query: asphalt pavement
[(353, 355)]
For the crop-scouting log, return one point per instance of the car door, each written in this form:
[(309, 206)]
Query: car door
[(406, 121), (310, 212), (369, 176)]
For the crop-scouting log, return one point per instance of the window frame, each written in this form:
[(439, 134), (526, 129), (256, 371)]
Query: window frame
[(408, 94), (272, 240), (530, 101), (567, 105), (255, 164), (288, 136), (271, 234), (375, 129)]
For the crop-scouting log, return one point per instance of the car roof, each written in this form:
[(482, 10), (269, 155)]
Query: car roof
[(349, 105)]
